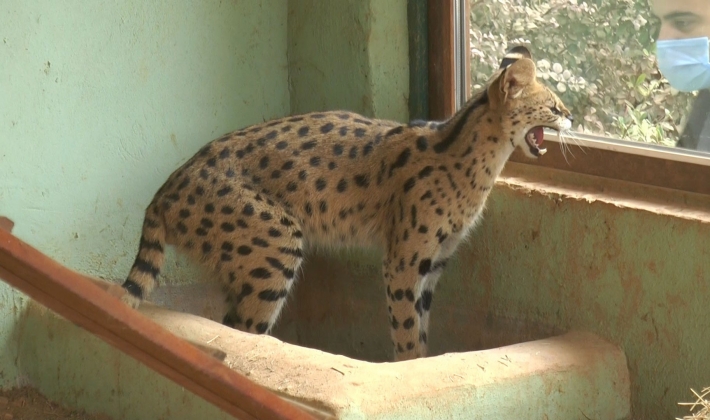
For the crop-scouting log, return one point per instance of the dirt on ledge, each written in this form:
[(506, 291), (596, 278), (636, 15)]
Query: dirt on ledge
[(28, 404)]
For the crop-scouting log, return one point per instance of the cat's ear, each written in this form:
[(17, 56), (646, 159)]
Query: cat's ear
[(514, 54), (512, 81)]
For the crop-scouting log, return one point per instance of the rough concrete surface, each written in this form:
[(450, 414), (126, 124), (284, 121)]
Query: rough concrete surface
[(557, 378)]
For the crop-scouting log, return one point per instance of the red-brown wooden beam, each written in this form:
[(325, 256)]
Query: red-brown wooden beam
[(442, 87), (83, 302)]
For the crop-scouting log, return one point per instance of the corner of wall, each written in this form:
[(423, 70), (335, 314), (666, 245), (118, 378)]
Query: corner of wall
[(388, 54), (349, 55), (12, 304)]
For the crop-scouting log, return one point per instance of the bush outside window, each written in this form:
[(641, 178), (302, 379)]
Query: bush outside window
[(598, 56)]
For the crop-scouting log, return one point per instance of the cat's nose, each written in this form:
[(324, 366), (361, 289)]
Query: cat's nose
[(570, 117)]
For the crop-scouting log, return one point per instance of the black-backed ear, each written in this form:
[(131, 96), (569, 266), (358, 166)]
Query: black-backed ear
[(514, 54), (511, 81)]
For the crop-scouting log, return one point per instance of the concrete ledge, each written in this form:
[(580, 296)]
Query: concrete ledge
[(576, 375)]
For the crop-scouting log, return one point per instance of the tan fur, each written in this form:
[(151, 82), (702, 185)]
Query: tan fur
[(247, 203)]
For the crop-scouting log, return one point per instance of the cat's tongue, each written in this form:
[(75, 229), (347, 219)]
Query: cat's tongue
[(534, 140), (539, 134)]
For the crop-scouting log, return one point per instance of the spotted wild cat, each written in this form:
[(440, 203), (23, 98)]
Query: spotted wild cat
[(247, 204)]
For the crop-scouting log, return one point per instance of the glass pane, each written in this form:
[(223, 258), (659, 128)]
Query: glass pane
[(600, 57)]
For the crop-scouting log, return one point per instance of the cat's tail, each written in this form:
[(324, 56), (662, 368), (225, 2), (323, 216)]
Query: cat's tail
[(151, 253)]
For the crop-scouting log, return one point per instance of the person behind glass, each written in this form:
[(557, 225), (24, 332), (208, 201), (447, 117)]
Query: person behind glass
[(682, 54)]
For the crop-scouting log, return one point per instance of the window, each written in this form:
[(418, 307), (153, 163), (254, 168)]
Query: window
[(599, 57)]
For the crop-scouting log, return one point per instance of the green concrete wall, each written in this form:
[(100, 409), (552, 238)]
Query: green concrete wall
[(99, 103), (81, 370), (636, 278), (349, 54)]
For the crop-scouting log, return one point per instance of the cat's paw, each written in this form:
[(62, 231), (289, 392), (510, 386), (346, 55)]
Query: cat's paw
[(130, 300), (124, 296)]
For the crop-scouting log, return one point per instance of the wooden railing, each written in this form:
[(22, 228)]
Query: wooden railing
[(81, 300)]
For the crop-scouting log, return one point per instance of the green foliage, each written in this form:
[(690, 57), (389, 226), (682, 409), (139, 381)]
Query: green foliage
[(597, 55)]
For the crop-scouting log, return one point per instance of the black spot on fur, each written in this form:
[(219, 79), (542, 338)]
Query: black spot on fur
[(260, 273), (425, 172), (367, 149), (223, 191), (455, 132), (270, 295), (362, 180), (409, 294), (402, 160), (422, 143), (309, 145), (259, 242), (394, 131), (409, 184), (291, 251), (264, 162), (424, 266), (227, 227), (244, 250), (427, 297), (327, 128)]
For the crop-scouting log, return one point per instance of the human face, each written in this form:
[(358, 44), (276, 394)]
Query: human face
[(682, 18)]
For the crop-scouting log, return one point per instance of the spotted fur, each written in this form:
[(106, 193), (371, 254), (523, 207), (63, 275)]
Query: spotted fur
[(247, 204)]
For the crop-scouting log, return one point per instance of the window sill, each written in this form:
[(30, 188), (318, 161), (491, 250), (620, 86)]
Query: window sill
[(654, 166), (560, 184)]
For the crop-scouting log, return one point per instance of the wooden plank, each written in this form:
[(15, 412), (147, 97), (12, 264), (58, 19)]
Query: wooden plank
[(641, 169), (467, 45), (78, 299), (442, 87)]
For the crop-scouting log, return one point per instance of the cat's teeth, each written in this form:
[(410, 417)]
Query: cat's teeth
[(542, 151)]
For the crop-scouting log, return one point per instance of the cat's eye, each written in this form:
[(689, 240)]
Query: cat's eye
[(556, 111)]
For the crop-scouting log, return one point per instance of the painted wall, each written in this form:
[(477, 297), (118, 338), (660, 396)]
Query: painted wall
[(100, 102), (350, 54), (638, 279)]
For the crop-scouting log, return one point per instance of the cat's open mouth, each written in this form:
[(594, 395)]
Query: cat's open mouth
[(534, 140)]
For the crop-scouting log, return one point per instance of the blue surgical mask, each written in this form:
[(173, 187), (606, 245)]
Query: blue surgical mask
[(685, 63)]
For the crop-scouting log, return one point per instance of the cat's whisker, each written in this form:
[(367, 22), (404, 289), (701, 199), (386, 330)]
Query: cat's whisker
[(576, 140)]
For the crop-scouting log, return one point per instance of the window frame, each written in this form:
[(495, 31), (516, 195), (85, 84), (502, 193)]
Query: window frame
[(674, 168)]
